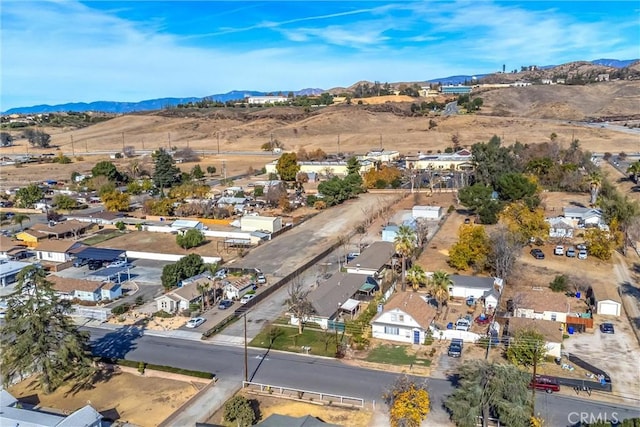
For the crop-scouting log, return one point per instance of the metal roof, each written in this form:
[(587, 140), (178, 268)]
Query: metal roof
[(100, 254), (110, 271)]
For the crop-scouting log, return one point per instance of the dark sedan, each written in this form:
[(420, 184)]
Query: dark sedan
[(607, 328), (537, 253), (224, 304)]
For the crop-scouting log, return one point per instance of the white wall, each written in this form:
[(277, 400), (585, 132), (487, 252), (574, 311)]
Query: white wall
[(449, 334), (167, 257), (463, 292), (52, 256), (405, 334), (227, 234)]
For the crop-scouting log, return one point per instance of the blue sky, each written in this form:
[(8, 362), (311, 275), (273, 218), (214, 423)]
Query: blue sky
[(81, 51)]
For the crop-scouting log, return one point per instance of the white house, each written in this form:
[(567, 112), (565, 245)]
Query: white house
[(373, 259), (235, 287), (551, 331), (260, 223), (179, 299), (381, 155), (260, 100), (584, 216), (406, 317), (561, 227), (542, 304), (473, 286), (58, 250), (433, 213), (83, 290), (9, 270), (186, 224)]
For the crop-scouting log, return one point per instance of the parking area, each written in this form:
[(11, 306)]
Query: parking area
[(142, 271)]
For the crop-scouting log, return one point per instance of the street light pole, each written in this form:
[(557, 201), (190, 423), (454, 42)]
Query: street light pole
[(246, 359)]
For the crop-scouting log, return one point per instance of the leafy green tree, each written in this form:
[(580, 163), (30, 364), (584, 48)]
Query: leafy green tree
[(238, 410), (184, 268), (491, 160), (408, 402), (353, 166), (288, 166), (439, 286), (190, 239), (196, 172), (27, 196), (166, 174), (64, 202), (6, 139), (326, 99), (417, 277), (559, 283), (634, 170), (211, 170), (479, 198), (38, 138), (20, 218), (258, 191), (405, 244), (108, 169), (527, 347), (38, 336), (517, 187), (490, 390)]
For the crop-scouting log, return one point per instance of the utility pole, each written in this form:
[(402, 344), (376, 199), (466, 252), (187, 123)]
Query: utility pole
[(338, 144), (533, 379), (123, 142), (246, 358), (143, 144), (169, 140), (86, 146), (73, 151), (218, 137)]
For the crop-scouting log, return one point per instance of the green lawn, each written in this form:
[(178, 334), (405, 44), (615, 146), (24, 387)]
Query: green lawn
[(287, 339), (395, 355), (99, 238)]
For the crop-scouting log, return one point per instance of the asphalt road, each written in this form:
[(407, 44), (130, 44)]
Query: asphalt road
[(317, 374)]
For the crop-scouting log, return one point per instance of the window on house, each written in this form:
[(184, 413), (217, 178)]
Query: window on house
[(401, 317), (388, 330), (164, 304), (554, 317), (394, 318)]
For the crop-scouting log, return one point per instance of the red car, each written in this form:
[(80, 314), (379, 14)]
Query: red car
[(546, 383), (483, 319)]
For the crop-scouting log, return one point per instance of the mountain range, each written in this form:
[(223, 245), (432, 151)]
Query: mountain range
[(160, 103)]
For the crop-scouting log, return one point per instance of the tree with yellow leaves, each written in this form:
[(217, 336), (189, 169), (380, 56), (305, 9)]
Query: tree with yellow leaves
[(525, 222), (601, 243), (408, 402), (471, 249), (116, 201), (382, 177)]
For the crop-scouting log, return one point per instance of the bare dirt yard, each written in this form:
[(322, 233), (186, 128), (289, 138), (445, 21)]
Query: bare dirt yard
[(145, 241), (330, 414), (161, 397)]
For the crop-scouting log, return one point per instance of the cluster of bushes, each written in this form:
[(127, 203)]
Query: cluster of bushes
[(136, 364)]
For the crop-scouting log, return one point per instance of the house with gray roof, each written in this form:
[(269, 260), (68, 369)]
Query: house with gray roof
[(13, 413), (473, 286), (373, 259), (584, 216), (277, 420)]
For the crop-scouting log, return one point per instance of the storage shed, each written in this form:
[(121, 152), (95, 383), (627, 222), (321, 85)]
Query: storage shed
[(260, 223), (427, 212)]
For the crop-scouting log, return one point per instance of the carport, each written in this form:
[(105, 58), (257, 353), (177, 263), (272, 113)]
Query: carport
[(110, 274), (101, 254)]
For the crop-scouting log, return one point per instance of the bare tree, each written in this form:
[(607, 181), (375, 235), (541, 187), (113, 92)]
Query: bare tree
[(274, 193), (505, 250), (385, 211), (422, 231), (298, 302)]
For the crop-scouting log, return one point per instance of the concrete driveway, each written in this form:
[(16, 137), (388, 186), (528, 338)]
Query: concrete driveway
[(616, 354)]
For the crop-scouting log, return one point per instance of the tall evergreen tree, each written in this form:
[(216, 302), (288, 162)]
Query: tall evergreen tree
[(39, 337), (166, 173)]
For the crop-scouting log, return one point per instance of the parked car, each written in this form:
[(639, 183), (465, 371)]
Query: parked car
[(455, 348), (571, 252), (463, 325), (559, 250), (221, 274), (467, 220), (483, 319), (582, 254), (245, 299), (537, 253), (581, 247), (118, 263), (261, 279), (95, 264), (546, 383), (224, 304), (195, 322), (79, 262), (607, 328)]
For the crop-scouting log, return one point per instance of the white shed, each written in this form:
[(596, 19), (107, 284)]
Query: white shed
[(186, 223), (610, 307), (427, 212), (260, 223)]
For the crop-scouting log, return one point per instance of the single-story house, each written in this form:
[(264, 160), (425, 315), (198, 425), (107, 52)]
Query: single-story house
[(338, 296), (277, 420), (100, 218), (11, 249), (13, 413), (606, 299), (584, 216), (84, 290), (237, 203), (186, 224), (561, 227), (61, 230), (30, 238), (473, 286), (406, 317), (111, 290), (542, 304), (550, 330), (9, 270), (373, 259), (235, 287), (260, 223), (427, 212), (179, 299), (58, 250), (389, 232)]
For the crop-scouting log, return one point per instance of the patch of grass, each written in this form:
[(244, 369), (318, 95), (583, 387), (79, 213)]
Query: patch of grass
[(99, 238), (391, 354), (287, 339)]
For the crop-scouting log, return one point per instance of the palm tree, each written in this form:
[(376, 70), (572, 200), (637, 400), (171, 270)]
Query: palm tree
[(20, 218), (634, 169), (595, 182), (405, 244), (440, 282), (203, 288), (417, 277)]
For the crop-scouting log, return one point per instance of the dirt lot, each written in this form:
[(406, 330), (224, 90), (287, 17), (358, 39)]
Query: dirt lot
[(329, 414), (161, 398), (160, 243)]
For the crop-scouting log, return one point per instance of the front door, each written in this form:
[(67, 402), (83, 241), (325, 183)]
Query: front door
[(416, 337)]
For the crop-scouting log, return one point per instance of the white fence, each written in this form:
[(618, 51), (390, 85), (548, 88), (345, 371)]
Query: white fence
[(227, 234), (96, 313), (314, 396), (167, 257), (449, 334)]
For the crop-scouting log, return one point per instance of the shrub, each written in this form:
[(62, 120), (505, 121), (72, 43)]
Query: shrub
[(141, 366), (238, 410), (136, 364), (559, 283), (163, 314), (120, 309)]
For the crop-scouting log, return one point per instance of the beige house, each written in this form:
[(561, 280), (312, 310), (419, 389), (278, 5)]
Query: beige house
[(181, 298), (543, 304), (324, 168), (458, 161), (55, 250)]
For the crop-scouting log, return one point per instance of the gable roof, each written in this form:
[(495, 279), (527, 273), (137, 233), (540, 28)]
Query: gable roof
[(550, 330), (239, 283), (60, 246), (68, 285), (413, 304), (374, 257), (543, 300), (7, 243), (184, 223), (476, 282), (332, 293), (578, 212), (63, 227), (189, 292), (277, 420)]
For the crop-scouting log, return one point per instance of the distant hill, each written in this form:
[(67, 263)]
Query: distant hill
[(161, 103)]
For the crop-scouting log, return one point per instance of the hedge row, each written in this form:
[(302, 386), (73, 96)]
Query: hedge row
[(219, 327), (135, 364)]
